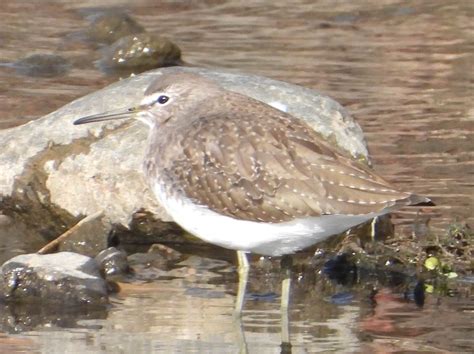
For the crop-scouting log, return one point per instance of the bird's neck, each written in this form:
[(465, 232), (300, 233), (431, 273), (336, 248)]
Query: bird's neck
[(163, 143)]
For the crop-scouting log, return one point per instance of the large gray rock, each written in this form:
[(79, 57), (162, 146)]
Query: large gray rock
[(65, 277), (53, 172)]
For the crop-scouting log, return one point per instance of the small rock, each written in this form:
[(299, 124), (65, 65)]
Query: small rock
[(147, 260), (64, 278), (109, 26), (88, 237), (113, 262), (140, 52), (168, 252)]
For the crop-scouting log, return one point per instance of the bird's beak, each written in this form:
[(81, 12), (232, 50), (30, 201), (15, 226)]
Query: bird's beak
[(110, 115)]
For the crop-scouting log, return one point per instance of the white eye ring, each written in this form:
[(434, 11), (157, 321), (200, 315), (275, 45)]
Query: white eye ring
[(157, 98)]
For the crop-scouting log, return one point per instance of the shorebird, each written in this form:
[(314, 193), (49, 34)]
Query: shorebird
[(243, 175)]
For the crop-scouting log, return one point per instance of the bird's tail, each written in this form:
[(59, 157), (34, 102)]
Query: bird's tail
[(410, 200), (418, 200)]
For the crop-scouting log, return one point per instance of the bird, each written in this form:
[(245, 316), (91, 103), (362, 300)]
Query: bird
[(243, 175)]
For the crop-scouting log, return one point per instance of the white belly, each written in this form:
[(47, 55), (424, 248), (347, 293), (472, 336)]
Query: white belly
[(271, 239)]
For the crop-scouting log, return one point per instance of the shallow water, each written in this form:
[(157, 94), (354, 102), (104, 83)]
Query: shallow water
[(405, 71)]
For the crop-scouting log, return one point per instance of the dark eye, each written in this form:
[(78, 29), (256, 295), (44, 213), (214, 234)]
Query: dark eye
[(162, 99)]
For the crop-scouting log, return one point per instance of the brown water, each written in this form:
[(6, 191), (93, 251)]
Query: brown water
[(405, 70)]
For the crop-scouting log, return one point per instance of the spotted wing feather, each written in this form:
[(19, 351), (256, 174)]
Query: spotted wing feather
[(271, 167)]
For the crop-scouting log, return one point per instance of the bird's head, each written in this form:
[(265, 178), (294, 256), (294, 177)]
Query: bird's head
[(169, 97)]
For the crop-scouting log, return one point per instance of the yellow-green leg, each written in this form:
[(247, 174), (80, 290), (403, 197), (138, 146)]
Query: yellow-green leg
[(243, 270), (286, 263)]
